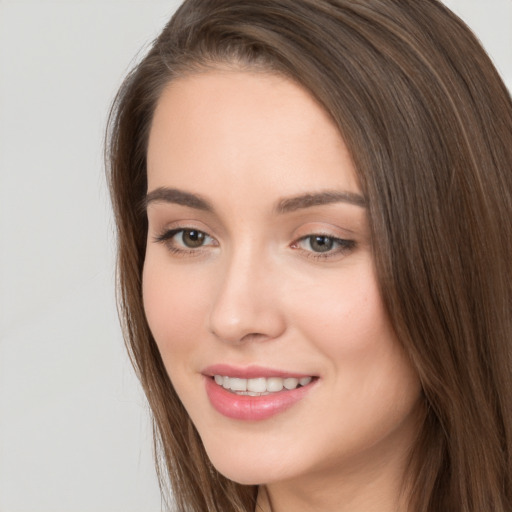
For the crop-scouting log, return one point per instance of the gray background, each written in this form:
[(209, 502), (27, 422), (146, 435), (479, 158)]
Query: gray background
[(74, 429)]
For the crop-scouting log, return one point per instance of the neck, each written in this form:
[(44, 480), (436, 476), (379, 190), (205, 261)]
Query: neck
[(370, 498)]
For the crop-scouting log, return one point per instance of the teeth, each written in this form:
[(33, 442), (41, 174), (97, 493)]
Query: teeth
[(274, 384), (260, 385), (257, 385), (291, 383), (238, 384), (305, 381)]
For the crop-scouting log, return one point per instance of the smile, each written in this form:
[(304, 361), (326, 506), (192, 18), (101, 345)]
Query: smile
[(251, 397), (260, 386)]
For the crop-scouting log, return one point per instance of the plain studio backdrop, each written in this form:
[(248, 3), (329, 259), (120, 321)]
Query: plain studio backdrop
[(75, 434)]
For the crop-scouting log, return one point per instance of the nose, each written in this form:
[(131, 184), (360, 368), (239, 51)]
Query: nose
[(247, 303)]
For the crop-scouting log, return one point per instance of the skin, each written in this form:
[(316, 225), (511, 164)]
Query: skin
[(258, 292)]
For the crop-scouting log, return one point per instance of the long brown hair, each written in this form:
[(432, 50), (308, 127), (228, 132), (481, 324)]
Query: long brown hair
[(428, 123)]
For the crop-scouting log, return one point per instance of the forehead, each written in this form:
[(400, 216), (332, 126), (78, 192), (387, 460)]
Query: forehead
[(245, 129)]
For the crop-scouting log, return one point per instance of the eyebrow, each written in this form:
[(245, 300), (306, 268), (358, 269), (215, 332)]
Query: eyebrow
[(285, 205), (292, 204), (175, 196)]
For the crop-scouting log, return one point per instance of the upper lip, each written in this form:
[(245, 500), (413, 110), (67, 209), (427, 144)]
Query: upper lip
[(250, 372)]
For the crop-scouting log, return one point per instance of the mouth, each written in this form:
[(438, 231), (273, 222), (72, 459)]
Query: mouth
[(260, 386), (255, 393)]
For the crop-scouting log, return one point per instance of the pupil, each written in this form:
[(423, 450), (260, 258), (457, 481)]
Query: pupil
[(193, 238), (321, 243)]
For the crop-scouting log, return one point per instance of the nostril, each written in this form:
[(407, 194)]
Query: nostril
[(256, 336)]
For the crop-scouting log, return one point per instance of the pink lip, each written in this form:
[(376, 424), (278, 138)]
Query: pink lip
[(251, 408), (249, 372)]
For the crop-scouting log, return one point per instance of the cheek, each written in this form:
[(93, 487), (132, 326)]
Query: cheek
[(344, 315), (174, 303), (345, 320), (176, 306)]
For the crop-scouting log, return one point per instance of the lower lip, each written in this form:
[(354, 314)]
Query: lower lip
[(252, 408)]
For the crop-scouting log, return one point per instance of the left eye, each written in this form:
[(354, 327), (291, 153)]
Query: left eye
[(319, 243), (323, 243)]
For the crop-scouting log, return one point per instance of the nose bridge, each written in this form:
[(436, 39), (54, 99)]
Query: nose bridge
[(245, 305)]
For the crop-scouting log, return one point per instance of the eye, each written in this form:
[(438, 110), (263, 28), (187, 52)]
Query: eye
[(192, 238), (319, 243), (183, 240), (323, 246)]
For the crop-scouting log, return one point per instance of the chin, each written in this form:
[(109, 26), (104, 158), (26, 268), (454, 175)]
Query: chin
[(247, 468), (245, 475)]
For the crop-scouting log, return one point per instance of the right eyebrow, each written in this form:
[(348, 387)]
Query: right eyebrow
[(176, 196)]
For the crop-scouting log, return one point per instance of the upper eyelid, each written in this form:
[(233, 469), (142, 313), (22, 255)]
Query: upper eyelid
[(328, 232), (323, 228), (165, 227), (311, 233), (326, 235), (171, 232), (336, 239)]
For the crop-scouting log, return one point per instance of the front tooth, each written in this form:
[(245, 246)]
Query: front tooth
[(238, 384), (305, 381), (274, 384), (290, 383), (225, 384), (258, 385)]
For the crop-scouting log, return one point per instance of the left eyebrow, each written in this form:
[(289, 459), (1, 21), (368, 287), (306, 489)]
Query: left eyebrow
[(291, 204)]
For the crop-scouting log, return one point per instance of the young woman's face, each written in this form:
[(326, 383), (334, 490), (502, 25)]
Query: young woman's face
[(259, 277)]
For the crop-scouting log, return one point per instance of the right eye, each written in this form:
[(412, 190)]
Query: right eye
[(185, 240)]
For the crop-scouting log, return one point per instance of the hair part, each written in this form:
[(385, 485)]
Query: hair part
[(428, 123)]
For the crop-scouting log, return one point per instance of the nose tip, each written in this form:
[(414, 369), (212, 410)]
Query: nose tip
[(245, 308)]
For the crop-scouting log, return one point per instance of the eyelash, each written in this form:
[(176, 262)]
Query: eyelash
[(343, 246), (167, 238)]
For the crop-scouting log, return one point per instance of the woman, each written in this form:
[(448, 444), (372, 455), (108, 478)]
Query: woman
[(313, 201)]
